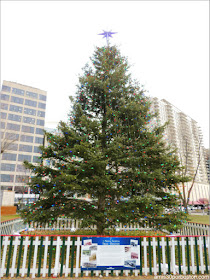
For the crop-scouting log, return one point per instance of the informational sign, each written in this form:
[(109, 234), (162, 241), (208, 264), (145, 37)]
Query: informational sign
[(110, 253)]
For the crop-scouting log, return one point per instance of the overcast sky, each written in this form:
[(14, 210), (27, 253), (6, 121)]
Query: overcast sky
[(45, 44)]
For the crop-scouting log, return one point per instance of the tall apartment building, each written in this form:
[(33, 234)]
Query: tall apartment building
[(207, 158), (184, 134), (22, 123)]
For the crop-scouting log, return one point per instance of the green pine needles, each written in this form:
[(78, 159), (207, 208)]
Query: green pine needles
[(109, 151)]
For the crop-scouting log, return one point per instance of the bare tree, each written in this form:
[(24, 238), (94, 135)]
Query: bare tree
[(7, 141), (185, 194)]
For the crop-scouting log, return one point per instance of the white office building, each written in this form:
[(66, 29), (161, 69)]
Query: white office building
[(22, 123)]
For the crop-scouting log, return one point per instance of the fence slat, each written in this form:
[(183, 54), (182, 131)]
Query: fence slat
[(173, 262), (62, 256), (78, 245), (16, 243), (145, 255), (201, 254), (26, 244), (164, 256), (150, 256), (19, 256), (5, 242), (68, 244), (179, 255), (154, 256), (183, 255), (50, 256), (30, 254), (159, 260), (46, 243), (192, 255), (196, 254), (57, 256), (40, 256), (168, 255), (35, 256)]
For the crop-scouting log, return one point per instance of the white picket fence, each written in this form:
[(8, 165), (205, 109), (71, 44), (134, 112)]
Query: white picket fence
[(35, 256), (68, 224), (16, 225), (191, 228), (11, 226)]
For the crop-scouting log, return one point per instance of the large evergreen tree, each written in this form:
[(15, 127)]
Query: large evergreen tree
[(108, 150)]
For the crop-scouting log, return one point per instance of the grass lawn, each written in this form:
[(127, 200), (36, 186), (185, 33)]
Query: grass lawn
[(9, 217), (200, 219), (93, 232)]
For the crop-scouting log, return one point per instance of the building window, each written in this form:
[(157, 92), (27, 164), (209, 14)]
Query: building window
[(8, 156), (39, 131), (4, 106), (13, 126), (21, 179), (42, 97), (12, 147), (17, 100), (40, 122), (41, 105), (7, 167), (28, 111), (36, 159), (40, 114), (28, 120), (30, 103), (25, 148), (26, 138), (16, 108), (37, 150), (7, 178), (4, 97), (39, 140), (20, 168), (12, 136), (18, 91), (13, 117), (3, 116), (28, 129), (2, 125), (31, 94), (24, 157), (6, 88)]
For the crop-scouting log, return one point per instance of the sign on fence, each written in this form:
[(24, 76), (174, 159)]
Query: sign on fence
[(110, 253)]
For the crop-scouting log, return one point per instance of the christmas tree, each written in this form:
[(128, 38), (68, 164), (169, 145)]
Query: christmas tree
[(110, 151)]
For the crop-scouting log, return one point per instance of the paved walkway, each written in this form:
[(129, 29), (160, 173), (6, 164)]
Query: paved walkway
[(91, 278)]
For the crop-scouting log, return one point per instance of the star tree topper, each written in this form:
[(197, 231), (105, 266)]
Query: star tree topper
[(107, 34)]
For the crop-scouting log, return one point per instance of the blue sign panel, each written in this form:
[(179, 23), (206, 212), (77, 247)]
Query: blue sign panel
[(110, 253)]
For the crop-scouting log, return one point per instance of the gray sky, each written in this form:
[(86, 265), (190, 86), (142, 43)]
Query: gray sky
[(45, 44)]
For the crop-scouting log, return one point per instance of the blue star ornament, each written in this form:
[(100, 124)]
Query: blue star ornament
[(107, 34)]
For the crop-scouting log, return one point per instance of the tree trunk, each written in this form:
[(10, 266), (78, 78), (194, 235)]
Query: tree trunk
[(185, 206), (101, 223), (185, 201)]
